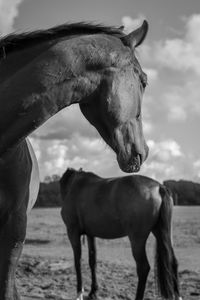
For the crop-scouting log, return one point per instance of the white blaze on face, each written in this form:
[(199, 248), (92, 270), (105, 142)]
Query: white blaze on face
[(34, 180)]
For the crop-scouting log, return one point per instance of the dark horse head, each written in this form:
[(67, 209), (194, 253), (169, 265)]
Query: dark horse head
[(44, 71), (115, 107)]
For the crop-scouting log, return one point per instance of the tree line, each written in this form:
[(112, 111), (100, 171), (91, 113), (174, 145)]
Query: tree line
[(184, 192), (49, 192)]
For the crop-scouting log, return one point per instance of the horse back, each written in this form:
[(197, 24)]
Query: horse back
[(139, 202)]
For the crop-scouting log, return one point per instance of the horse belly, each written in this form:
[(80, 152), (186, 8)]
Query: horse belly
[(104, 227)]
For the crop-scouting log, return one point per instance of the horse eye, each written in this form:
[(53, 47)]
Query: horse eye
[(144, 84), (143, 80), (138, 116)]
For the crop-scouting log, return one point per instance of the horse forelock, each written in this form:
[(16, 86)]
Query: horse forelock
[(18, 41)]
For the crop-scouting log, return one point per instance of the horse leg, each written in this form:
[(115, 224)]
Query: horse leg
[(12, 236), (142, 265), (92, 264), (76, 246)]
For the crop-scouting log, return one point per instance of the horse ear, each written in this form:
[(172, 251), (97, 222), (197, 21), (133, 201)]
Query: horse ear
[(136, 37)]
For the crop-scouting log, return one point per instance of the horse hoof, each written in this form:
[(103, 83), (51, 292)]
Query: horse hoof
[(80, 295), (92, 297)]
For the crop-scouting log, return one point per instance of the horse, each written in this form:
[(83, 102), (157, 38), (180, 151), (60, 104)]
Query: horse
[(19, 186), (111, 208), (41, 73)]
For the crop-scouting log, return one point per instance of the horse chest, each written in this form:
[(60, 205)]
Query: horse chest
[(19, 179)]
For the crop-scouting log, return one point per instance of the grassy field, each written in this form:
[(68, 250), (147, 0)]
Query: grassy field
[(46, 267)]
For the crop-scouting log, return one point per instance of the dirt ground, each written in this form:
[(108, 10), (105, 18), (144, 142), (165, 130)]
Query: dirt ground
[(46, 268)]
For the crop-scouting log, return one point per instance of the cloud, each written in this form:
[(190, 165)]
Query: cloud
[(182, 101), (167, 160), (164, 150), (131, 24), (147, 126), (8, 13), (197, 164), (173, 68), (196, 168), (182, 54), (90, 153), (64, 124), (177, 113), (176, 105), (152, 75)]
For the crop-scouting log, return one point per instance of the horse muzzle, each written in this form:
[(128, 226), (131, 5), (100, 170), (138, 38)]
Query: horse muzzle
[(130, 166)]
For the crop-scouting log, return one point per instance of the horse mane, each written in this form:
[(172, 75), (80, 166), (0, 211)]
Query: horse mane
[(70, 172), (18, 41), (67, 175)]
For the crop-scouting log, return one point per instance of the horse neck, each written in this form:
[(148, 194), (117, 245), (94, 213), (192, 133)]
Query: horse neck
[(15, 154), (42, 87), (74, 177), (16, 61), (66, 183), (15, 166)]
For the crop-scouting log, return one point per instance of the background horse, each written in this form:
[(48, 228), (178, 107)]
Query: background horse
[(111, 208), (42, 72)]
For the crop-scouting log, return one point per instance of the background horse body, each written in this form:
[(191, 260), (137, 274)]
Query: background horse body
[(41, 73), (111, 208)]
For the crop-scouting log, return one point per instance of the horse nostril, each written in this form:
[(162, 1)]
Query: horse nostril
[(140, 158)]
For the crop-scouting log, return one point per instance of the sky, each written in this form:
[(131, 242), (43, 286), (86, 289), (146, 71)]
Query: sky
[(170, 56)]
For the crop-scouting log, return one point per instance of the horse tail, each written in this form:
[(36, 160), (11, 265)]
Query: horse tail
[(166, 268)]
